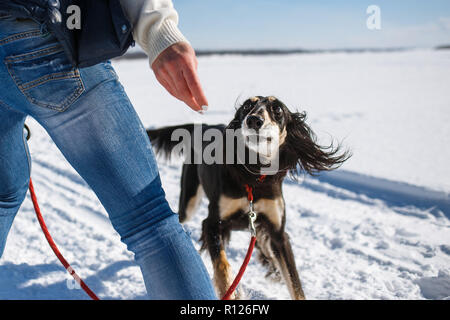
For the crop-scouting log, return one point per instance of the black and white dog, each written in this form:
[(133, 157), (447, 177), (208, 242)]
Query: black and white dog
[(270, 130)]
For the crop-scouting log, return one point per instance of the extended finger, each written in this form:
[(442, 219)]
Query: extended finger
[(193, 82), (183, 90)]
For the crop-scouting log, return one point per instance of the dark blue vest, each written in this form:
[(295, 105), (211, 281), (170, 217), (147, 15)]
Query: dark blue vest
[(105, 31)]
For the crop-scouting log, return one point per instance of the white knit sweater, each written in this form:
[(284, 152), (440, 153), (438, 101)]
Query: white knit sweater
[(155, 25)]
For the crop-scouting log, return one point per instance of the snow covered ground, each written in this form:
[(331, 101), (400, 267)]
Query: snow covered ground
[(378, 228)]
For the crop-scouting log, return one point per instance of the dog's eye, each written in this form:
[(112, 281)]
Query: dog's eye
[(247, 106), (277, 110)]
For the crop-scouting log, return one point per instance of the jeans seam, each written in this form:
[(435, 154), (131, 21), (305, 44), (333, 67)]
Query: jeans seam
[(68, 75), (20, 36), (49, 77), (34, 54), (69, 100)]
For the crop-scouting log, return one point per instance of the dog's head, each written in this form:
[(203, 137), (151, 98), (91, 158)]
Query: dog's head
[(272, 130)]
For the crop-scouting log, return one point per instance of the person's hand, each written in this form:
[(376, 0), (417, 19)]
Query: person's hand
[(176, 70)]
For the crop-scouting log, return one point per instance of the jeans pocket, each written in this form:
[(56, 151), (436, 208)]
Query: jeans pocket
[(46, 77)]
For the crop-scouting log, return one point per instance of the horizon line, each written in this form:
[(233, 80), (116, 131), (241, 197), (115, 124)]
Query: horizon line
[(138, 53)]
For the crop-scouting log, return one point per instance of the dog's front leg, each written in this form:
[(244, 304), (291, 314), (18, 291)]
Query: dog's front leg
[(285, 261), (213, 240)]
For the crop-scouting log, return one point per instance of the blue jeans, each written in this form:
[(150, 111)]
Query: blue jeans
[(91, 120)]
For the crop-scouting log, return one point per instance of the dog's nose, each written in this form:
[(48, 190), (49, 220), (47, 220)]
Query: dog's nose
[(255, 122)]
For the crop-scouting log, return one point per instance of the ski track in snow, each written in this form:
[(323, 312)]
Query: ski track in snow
[(354, 236)]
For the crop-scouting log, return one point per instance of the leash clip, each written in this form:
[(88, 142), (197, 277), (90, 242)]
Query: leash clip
[(252, 218)]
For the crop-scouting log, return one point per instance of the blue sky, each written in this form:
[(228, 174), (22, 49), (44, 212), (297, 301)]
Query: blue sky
[(226, 24)]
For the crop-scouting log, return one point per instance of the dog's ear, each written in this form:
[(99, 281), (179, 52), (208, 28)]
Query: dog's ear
[(236, 122), (303, 154)]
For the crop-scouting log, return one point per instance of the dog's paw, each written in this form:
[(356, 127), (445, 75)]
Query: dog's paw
[(274, 275)]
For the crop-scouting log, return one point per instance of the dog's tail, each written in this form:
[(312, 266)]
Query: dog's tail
[(165, 139)]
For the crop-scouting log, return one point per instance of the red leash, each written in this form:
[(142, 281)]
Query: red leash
[(252, 218), (55, 248), (241, 270)]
